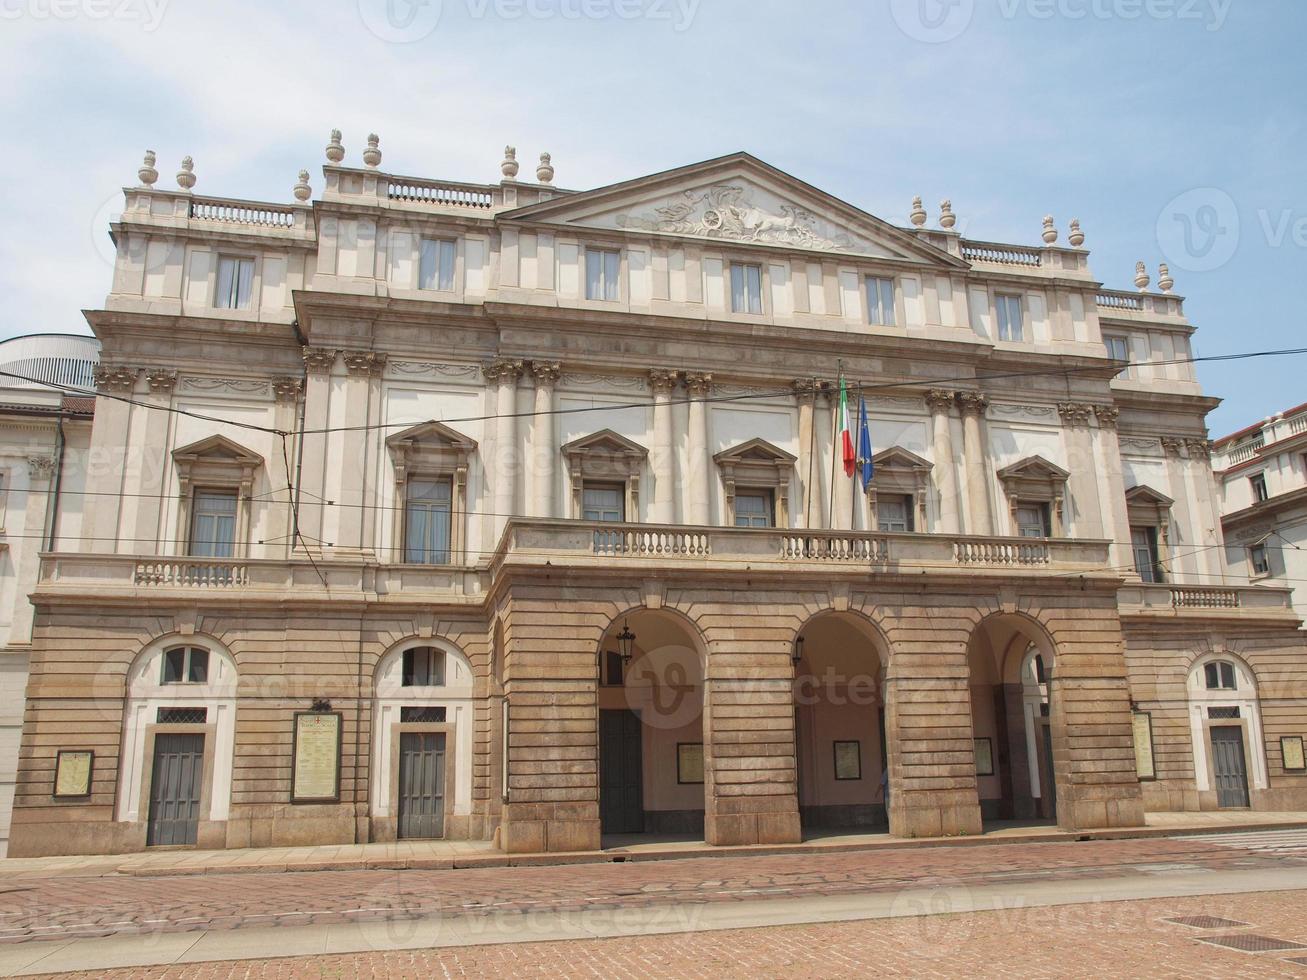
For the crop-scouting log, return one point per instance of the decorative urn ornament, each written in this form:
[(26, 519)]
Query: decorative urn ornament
[(372, 155), (918, 215), (1141, 276), (545, 172), (186, 175), (509, 167), (1050, 230), (148, 174), (335, 148), (947, 219), (1164, 281), (1077, 237), (302, 190)]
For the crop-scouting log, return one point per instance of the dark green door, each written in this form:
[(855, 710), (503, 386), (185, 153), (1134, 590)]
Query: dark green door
[(421, 785), (175, 789), (1229, 766), (621, 773)]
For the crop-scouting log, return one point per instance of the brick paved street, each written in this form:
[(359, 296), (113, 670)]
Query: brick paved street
[(1111, 939), (65, 907)]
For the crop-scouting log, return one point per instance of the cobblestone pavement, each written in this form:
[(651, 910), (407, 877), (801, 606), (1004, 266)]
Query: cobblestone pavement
[(1110, 939), (63, 907)]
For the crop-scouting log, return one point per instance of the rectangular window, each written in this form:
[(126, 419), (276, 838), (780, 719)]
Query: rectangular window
[(602, 274), (213, 524), (427, 515), (1219, 675), (1033, 521), (186, 665), (423, 667), (746, 288), (1143, 541), (1118, 348), (1010, 325), (1258, 481), (613, 669), (894, 513), (421, 714), (235, 283), (1261, 561), (753, 508), (603, 502), (880, 301), (436, 264), (182, 716)]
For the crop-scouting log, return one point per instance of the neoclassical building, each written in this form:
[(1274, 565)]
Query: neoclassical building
[(507, 512)]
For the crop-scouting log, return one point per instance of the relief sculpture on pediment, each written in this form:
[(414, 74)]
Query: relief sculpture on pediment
[(726, 211)]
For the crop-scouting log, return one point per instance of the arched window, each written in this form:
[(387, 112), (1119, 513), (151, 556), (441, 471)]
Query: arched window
[(1219, 675)]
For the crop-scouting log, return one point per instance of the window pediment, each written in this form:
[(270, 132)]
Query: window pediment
[(757, 463), (217, 460), (1035, 480), (1146, 507), (1034, 469), (607, 457), (432, 447)]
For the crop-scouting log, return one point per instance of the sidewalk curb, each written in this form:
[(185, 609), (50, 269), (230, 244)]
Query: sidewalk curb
[(618, 855)]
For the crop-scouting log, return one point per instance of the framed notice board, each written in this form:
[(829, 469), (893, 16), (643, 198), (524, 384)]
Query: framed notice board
[(315, 751)]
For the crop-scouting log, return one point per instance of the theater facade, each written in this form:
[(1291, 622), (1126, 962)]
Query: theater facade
[(422, 509)]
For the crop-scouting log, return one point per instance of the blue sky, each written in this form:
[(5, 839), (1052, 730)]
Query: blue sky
[(1135, 116)]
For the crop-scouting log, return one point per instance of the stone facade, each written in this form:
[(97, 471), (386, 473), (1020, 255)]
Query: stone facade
[(533, 498)]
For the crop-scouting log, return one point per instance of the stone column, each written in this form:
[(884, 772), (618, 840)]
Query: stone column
[(107, 460), (807, 512), (503, 469), (1109, 455), (543, 451), (364, 368), (1207, 510), (318, 364), (286, 390), (151, 467), (941, 404), (663, 462), (980, 519), (36, 509), (1086, 508), (823, 455), (1185, 517), (699, 510)]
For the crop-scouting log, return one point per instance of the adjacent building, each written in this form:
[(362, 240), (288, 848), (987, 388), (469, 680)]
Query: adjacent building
[(44, 435), (501, 511), (1263, 475)]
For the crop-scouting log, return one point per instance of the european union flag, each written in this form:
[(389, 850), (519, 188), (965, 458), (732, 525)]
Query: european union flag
[(864, 445)]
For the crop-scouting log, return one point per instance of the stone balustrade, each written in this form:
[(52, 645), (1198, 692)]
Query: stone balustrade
[(414, 190), (1001, 254), (1172, 600), (241, 212)]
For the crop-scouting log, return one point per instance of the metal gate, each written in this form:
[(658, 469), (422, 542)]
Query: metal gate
[(621, 773), (1228, 765), (175, 789), (421, 785)]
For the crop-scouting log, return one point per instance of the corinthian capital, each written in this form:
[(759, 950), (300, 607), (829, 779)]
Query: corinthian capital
[(161, 379), (40, 467), (698, 384), (319, 360), (365, 362), (1199, 448), (940, 400), (1108, 415), (1172, 446), (115, 377), (972, 402), (502, 370), (662, 380), (285, 388), (1074, 414), (546, 373)]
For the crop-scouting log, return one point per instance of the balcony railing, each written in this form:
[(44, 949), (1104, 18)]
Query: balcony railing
[(209, 573), (415, 191), (1196, 600), (997, 552), (235, 212), (1002, 254), (1246, 450), (1111, 299)]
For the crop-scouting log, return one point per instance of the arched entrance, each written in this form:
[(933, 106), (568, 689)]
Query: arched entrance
[(1225, 726), (1011, 666), (651, 736), (839, 715)]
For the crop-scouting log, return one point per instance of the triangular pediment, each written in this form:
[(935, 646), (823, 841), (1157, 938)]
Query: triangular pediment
[(736, 199), (1034, 468), (432, 434), (896, 457), (606, 442), (754, 451), (1144, 494), (217, 449)]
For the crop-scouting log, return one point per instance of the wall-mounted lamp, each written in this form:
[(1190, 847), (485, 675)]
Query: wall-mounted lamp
[(797, 654), (626, 644)]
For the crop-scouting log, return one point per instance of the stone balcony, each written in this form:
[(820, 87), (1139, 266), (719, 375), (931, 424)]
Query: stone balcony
[(575, 544), (1186, 602)]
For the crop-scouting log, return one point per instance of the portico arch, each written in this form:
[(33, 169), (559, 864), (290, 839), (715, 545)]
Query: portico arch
[(654, 769), (1011, 662), (1225, 727), (841, 747)]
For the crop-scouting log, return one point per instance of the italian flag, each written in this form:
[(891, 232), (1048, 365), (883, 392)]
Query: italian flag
[(846, 433)]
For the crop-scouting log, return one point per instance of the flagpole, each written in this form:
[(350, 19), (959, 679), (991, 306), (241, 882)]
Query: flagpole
[(835, 445), (857, 468)]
